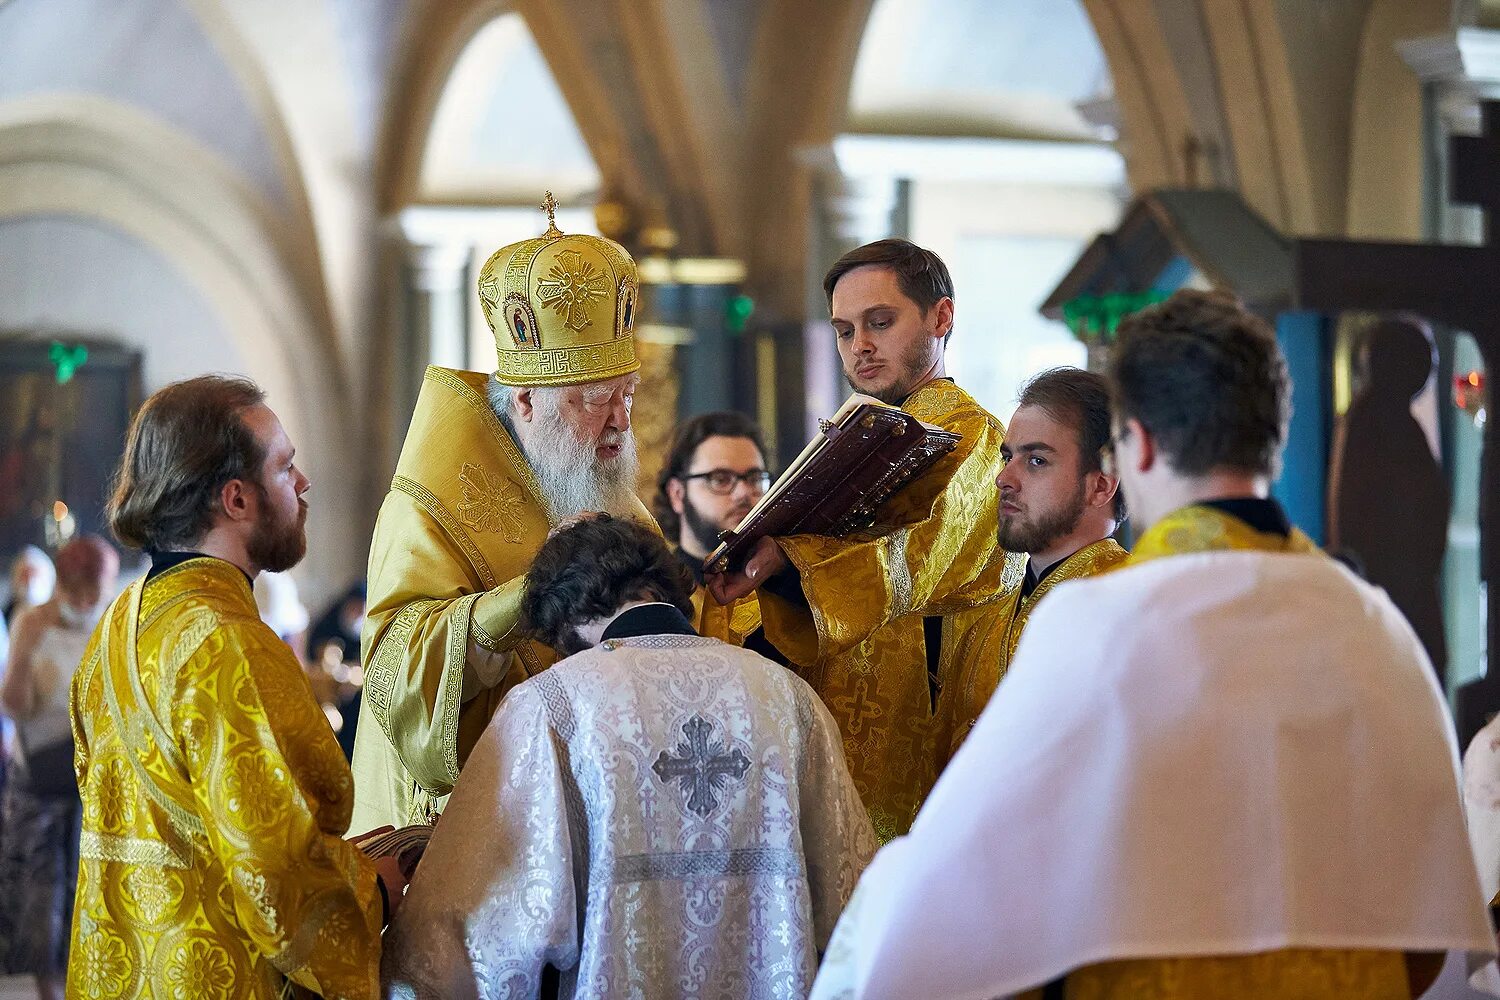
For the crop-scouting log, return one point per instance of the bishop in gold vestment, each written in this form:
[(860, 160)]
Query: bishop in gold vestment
[(860, 635), (215, 800), (466, 513)]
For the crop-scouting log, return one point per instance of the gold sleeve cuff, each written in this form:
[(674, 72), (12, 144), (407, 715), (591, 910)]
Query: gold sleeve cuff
[(497, 616)]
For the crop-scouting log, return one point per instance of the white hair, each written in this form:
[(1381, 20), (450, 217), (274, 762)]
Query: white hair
[(572, 478)]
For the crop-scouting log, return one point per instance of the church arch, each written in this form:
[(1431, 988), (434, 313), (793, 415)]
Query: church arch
[(111, 164)]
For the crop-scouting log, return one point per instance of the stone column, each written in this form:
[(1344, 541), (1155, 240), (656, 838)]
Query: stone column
[(437, 288)]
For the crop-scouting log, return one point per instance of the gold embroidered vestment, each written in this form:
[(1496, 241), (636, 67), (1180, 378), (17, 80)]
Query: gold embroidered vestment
[(978, 644), (861, 640), (215, 800)]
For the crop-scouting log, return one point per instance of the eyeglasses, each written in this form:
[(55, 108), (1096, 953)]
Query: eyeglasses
[(722, 481)]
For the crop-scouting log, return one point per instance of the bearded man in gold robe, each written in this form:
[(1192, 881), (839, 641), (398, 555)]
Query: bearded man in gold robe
[(215, 797), (714, 473), (490, 465), (1059, 508), (862, 616)]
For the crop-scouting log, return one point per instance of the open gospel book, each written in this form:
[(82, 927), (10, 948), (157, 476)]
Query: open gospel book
[(862, 456)]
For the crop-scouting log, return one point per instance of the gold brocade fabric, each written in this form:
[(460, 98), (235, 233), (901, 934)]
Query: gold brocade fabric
[(456, 534), (860, 639), (731, 624), (1208, 529), (215, 800), (979, 644), (1289, 974)]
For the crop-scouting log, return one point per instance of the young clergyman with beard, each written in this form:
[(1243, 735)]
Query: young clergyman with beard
[(489, 466), (215, 796), (714, 473), (1058, 509), (862, 616), (1223, 769)]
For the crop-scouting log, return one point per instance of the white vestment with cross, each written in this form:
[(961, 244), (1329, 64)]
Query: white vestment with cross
[(658, 816)]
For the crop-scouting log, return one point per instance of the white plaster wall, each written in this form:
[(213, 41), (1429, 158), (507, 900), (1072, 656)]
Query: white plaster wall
[(151, 53), (77, 276), (67, 274)]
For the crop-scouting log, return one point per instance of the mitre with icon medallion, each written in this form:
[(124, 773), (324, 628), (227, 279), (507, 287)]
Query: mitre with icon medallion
[(561, 306)]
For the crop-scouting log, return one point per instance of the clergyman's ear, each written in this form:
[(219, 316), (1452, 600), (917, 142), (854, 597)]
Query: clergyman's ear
[(1100, 489), (944, 307), (237, 500), (521, 401), (676, 494), (1145, 454)]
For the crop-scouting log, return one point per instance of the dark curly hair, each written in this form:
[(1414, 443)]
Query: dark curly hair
[(1206, 377), (589, 569), (692, 433)]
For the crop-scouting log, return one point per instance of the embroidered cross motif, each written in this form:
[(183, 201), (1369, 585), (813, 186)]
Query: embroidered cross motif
[(703, 768), (570, 288), (490, 503), (859, 707)]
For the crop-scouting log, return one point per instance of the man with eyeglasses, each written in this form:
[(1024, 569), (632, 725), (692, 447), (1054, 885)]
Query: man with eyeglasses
[(714, 474)]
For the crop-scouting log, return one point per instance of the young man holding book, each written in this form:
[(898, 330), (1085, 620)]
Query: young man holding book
[(661, 814), (862, 615)]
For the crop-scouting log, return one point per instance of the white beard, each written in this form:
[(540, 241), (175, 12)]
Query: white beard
[(572, 477)]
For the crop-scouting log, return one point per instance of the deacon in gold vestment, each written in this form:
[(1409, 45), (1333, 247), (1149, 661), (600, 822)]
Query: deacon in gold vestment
[(215, 797), (1190, 752), (861, 615), (489, 466), (1058, 509)]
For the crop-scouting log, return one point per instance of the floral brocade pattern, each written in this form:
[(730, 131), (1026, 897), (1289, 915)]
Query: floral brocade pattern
[(589, 835), (215, 800), (863, 647)]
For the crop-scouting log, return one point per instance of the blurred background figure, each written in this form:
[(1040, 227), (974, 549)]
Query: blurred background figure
[(333, 663), (39, 835), (32, 577), (281, 608)]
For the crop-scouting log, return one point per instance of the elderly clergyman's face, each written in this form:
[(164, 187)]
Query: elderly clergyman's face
[(579, 443)]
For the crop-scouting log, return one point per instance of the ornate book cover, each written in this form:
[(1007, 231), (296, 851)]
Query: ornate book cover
[(862, 456), (406, 844)]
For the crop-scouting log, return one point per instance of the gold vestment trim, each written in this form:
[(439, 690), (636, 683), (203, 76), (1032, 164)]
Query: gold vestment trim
[(481, 406), (430, 503), (98, 846)]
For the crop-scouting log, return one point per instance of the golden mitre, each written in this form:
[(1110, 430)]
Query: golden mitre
[(561, 307)]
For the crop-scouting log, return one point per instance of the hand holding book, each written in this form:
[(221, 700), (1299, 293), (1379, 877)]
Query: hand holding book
[(865, 454)]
